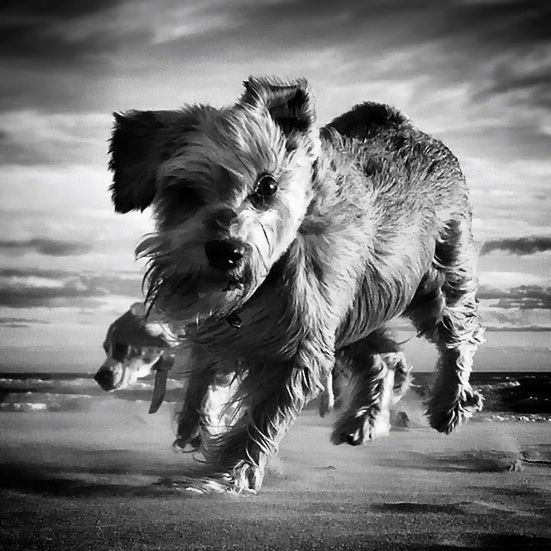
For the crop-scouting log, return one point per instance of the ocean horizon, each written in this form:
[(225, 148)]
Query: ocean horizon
[(508, 396)]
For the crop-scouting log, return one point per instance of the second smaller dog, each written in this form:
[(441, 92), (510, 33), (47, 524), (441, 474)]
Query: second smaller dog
[(135, 350)]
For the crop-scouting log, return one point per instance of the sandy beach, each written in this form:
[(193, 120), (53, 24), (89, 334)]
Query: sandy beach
[(101, 480)]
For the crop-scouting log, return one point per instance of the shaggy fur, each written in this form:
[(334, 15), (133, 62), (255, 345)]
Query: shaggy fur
[(281, 245), (205, 388)]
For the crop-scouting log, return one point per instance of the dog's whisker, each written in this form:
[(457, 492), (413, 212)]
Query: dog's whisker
[(269, 245)]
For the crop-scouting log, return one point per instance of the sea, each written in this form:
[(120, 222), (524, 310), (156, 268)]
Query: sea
[(508, 396)]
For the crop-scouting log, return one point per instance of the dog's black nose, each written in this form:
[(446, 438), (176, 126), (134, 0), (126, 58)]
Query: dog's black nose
[(104, 378), (223, 255)]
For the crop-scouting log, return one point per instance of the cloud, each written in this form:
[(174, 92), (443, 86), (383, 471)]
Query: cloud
[(524, 297), (33, 137), (505, 279), (40, 273), (518, 246), (31, 31), (60, 58), (522, 308), (45, 246), (198, 45), (517, 328), (21, 323), (57, 289)]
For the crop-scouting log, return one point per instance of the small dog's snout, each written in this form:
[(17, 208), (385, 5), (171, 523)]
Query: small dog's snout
[(223, 255), (104, 378)]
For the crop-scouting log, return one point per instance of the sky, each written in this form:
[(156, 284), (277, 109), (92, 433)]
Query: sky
[(474, 73)]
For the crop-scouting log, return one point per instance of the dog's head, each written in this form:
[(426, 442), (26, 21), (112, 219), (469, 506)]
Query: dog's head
[(132, 350), (229, 189)]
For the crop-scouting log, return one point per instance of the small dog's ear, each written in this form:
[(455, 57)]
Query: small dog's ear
[(135, 155), (138, 309), (291, 104)]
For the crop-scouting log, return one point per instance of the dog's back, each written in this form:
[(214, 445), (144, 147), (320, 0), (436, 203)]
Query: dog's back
[(366, 119), (405, 164)]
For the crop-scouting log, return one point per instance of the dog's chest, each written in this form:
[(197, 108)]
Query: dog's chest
[(260, 332)]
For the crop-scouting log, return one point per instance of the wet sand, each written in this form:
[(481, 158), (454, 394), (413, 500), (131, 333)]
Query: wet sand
[(91, 481)]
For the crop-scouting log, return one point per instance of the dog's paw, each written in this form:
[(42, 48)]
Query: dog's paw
[(361, 427), (246, 478), (217, 483), (243, 479), (446, 416)]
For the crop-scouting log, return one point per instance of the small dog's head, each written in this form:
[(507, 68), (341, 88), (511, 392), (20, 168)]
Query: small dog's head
[(229, 189), (132, 350)]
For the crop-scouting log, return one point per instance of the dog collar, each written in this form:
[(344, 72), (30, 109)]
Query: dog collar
[(162, 367)]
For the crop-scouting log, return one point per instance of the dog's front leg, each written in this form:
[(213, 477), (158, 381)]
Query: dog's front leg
[(198, 377), (275, 394)]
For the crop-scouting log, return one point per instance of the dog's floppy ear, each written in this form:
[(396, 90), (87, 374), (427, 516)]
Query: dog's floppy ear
[(134, 159), (138, 310), (291, 104), (136, 150)]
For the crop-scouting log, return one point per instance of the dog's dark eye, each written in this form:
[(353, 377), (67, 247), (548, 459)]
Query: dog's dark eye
[(266, 187), (120, 351)]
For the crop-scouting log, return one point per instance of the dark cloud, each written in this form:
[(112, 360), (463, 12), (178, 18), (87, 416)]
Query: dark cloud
[(38, 30), (37, 272), (18, 290), (20, 323), (517, 329), (56, 55), (496, 23), (103, 41), (274, 27), (45, 246), (519, 245), (20, 295), (60, 9), (525, 297)]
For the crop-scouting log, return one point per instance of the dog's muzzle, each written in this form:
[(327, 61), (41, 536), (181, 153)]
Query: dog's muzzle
[(108, 377)]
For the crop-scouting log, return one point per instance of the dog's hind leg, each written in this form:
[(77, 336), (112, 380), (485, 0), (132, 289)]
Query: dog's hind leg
[(445, 311), (379, 376)]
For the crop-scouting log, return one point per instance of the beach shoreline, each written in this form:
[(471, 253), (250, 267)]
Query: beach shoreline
[(90, 480)]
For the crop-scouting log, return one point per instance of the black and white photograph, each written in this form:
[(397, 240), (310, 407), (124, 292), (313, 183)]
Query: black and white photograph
[(275, 275)]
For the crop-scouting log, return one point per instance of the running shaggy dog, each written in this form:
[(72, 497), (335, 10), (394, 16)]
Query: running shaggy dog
[(281, 246)]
